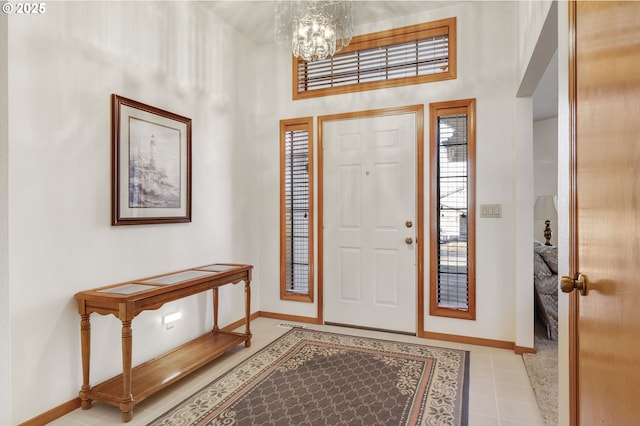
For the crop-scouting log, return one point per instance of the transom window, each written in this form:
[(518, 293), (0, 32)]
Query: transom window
[(403, 56)]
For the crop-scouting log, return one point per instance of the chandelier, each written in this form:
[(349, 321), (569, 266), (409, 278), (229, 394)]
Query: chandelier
[(314, 29)]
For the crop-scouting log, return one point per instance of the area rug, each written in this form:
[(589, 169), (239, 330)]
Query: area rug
[(308, 377)]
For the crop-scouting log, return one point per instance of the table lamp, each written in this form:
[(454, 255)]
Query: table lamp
[(545, 209)]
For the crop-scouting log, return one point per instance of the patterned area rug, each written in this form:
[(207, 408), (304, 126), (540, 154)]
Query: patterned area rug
[(309, 377)]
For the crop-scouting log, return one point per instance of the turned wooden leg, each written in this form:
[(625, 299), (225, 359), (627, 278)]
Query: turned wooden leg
[(247, 312), (126, 406), (215, 309), (85, 339)]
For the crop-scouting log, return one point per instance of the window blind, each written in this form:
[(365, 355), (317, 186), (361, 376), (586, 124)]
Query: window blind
[(296, 189), (407, 59), (452, 213)]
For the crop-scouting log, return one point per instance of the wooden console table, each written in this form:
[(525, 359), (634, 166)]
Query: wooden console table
[(126, 300)]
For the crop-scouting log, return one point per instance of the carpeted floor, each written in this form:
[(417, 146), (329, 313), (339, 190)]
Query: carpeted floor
[(542, 368), (309, 377)]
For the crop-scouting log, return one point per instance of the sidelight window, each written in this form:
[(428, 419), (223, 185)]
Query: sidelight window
[(296, 209), (452, 159)]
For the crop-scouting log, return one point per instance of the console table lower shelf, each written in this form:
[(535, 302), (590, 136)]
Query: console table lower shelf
[(160, 372), (126, 300)]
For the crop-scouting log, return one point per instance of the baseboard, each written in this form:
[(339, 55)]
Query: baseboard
[(501, 344), (54, 413), (240, 322), (284, 317), (524, 350)]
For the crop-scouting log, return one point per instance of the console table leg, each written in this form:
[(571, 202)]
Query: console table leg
[(215, 310), (126, 415), (126, 406), (85, 339), (247, 312)]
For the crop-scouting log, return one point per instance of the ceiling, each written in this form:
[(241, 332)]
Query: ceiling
[(254, 19)]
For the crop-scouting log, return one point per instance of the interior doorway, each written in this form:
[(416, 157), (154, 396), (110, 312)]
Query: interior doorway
[(542, 367)]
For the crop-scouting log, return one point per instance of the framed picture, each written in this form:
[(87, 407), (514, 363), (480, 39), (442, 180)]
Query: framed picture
[(150, 164)]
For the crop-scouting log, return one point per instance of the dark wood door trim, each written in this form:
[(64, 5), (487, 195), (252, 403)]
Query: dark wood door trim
[(573, 219)]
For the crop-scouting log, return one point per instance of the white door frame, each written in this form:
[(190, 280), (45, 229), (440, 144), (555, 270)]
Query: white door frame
[(418, 110)]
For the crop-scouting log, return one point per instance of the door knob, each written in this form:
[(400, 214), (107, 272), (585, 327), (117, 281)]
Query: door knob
[(568, 284), (408, 224), (408, 240)]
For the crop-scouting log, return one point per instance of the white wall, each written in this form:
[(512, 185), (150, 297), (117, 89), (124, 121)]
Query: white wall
[(63, 66), (533, 42), (545, 163), (487, 70), (5, 329), (523, 189), (545, 156), (564, 184)]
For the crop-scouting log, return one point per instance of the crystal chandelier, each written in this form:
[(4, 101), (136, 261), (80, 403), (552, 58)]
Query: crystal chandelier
[(314, 29)]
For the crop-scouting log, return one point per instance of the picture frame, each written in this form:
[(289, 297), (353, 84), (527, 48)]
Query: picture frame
[(150, 164)]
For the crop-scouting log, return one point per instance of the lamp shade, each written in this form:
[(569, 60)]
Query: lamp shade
[(545, 207)]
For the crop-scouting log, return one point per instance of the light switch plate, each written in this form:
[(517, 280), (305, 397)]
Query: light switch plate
[(491, 210)]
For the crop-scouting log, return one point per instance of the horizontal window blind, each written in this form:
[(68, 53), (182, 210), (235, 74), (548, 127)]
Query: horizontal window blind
[(296, 193), (453, 273), (408, 59), (414, 54)]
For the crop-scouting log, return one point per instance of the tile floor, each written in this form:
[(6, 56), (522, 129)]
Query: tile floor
[(500, 393)]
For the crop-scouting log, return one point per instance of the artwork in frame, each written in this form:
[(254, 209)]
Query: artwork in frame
[(151, 164)]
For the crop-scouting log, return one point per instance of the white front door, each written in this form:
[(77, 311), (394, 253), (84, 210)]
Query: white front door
[(369, 212)]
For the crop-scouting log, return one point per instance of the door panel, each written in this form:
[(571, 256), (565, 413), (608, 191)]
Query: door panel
[(350, 281), (385, 275), (606, 357), (369, 193), (350, 197)]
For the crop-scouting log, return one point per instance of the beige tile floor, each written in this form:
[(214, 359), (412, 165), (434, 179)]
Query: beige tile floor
[(500, 393)]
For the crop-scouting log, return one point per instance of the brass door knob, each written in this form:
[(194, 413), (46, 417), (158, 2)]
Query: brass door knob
[(567, 284), (408, 240)]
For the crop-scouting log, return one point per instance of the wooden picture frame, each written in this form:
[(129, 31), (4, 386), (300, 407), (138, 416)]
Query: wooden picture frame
[(150, 164)]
